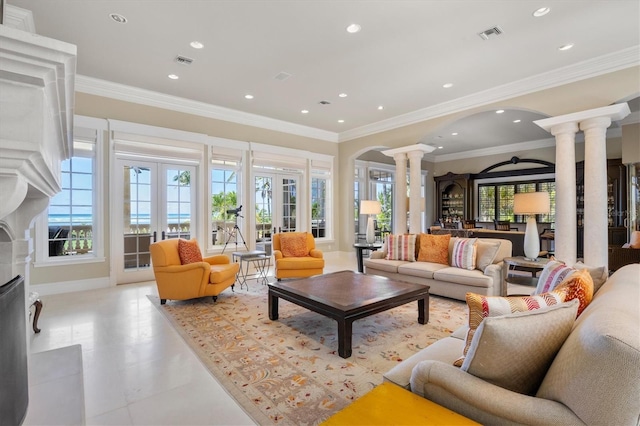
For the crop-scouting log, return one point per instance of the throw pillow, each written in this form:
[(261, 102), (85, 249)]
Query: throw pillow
[(434, 248), (463, 254), (402, 247), (515, 351), (294, 244), (598, 275), (481, 307), (552, 274), (189, 251), (486, 252), (578, 285)]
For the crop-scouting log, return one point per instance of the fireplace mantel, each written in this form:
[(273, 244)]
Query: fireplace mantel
[(37, 76)]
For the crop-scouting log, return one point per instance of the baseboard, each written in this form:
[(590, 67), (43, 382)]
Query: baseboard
[(70, 286)]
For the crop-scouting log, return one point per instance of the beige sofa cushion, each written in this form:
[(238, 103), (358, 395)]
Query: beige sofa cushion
[(420, 269), (463, 276), (515, 351)]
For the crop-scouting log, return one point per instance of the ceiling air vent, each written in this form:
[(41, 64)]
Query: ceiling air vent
[(491, 32), (184, 60), (282, 76), (324, 103)]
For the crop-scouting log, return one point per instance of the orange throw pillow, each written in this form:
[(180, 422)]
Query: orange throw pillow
[(578, 285), (434, 248), (294, 244), (189, 251)]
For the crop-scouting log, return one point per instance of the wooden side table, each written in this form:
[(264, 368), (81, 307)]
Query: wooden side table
[(360, 247), (389, 404), (520, 263)]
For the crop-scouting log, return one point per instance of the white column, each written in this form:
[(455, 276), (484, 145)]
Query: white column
[(416, 201), (595, 191), (400, 199), (565, 226)]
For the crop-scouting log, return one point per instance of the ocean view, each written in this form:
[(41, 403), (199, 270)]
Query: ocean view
[(85, 219)]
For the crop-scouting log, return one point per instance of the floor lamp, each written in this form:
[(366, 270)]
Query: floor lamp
[(531, 203), (370, 207)]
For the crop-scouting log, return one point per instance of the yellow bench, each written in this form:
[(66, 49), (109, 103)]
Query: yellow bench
[(390, 404)]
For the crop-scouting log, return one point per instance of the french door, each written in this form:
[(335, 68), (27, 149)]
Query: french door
[(155, 201), (276, 204)]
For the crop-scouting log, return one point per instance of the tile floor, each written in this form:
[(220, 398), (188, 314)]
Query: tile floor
[(137, 369)]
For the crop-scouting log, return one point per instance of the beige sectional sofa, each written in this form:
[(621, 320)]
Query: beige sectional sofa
[(444, 280), (594, 379)]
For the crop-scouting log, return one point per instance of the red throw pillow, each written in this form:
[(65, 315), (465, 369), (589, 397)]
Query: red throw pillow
[(189, 251), (294, 244)]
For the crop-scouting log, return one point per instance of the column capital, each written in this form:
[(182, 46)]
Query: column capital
[(565, 128), (400, 156), (595, 123), (415, 155)]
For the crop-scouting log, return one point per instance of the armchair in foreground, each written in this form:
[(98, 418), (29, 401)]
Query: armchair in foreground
[(296, 255), (177, 280)]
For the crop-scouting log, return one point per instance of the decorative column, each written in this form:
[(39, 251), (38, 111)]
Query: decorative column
[(400, 198), (416, 201), (594, 123), (596, 235), (566, 223), (415, 153)]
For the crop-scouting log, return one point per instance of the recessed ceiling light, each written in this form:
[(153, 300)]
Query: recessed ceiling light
[(248, 96), (353, 28), (196, 45), (454, 134), (343, 95), (566, 46), (173, 76), (500, 111), (517, 121), (447, 85), (340, 121), (541, 12), (118, 18), (380, 107), (439, 147), (305, 111)]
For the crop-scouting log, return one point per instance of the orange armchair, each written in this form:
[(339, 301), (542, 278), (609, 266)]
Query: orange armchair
[(176, 281), (296, 255)]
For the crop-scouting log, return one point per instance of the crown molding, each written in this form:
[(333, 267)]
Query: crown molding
[(18, 18), (605, 64), (98, 87)]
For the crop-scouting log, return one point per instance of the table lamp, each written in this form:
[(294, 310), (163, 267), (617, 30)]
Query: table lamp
[(370, 207), (531, 203)]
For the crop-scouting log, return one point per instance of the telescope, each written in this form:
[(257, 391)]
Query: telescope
[(235, 211)]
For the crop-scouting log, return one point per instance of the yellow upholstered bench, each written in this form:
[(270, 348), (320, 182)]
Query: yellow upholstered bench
[(390, 404)]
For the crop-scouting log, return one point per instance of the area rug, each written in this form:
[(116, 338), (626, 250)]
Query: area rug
[(288, 371)]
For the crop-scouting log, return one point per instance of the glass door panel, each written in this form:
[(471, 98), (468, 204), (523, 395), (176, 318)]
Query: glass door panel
[(136, 216), (275, 204), (289, 199), (263, 202), (178, 203)]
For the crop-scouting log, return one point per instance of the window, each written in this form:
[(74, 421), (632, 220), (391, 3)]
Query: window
[(495, 200), (224, 199), (71, 222), (319, 203), (381, 182)]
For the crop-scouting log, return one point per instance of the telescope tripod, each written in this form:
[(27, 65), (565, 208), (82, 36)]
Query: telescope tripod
[(235, 232)]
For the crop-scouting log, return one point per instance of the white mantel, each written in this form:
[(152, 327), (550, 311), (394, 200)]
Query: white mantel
[(36, 134)]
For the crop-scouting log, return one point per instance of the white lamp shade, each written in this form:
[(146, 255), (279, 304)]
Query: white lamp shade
[(370, 207), (531, 203)]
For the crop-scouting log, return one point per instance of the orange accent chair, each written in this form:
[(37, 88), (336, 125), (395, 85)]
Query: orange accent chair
[(176, 281), (296, 255)]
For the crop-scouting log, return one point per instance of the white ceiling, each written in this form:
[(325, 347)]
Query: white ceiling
[(400, 59)]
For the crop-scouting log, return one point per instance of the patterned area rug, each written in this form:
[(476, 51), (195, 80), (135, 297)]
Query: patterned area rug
[(288, 371)]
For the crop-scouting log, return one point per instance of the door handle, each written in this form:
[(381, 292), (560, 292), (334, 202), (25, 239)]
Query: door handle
[(163, 236), (155, 236)]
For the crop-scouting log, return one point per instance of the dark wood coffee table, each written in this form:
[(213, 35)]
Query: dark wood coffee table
[(347, 296)]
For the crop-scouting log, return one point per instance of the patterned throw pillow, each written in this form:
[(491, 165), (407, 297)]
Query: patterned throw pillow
[(434, 248), (552, 274), (463, 254), (401, 247), (578, 285), (189, 251), (599, 275), (497, 348), (294, 244), (481, 307)]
